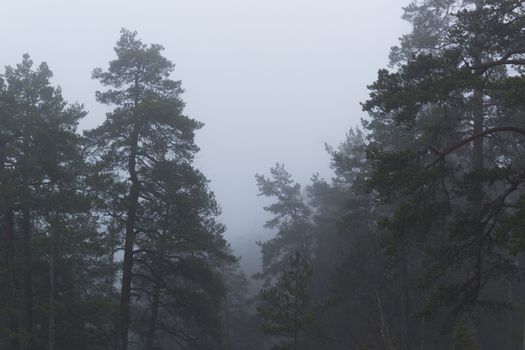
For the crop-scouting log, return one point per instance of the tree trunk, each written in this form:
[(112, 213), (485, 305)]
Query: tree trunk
[(51, 326), (383, 330), (404, 302), (477, 167), (296, 306), (153, 319), (28, 282), (523, 336), (12, 283), (125, 296), (478, 121), (518, 320), (477, 151), (12, 321)]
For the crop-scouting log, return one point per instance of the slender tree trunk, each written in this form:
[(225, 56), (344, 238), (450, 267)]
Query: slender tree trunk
[(523, 335), (28, 283), (295, 326), (153, 319), (125, 296), (518, 329), (227, 325), (520, 320), (385, 334), (422, 344), (295, 312), (477, 157), (477, 151), (51, 326), (404, 301), (26, 237), (12, 283), (477, 195), (477, 164)]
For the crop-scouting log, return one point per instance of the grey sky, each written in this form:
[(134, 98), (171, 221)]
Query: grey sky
[(272, 79)]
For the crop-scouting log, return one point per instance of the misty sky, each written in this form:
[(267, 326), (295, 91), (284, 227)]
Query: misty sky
[(272, 79)]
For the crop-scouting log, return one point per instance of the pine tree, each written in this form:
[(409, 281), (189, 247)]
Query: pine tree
[(285, 307), (47, 217), (454, 175), (178, 263), (291, 219), (241, 324), (144, 151)]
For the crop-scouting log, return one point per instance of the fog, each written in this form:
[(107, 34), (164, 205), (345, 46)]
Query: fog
[(405, 235), (272, 80)]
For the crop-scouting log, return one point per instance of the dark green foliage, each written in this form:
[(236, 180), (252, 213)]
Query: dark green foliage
[(173, 247), (66, 201), (421, 224), (285, 307), (241, 325), (464, 337), (417, 242), (291, 219), (450, 194), (57, 264)]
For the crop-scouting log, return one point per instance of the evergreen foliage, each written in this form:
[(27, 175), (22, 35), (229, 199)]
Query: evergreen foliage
[(110, 239), (285, 307)]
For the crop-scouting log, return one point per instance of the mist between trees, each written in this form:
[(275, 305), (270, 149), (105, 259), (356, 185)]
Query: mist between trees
[(110, 238)]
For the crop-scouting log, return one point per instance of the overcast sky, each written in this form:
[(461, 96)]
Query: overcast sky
[(274, 80)]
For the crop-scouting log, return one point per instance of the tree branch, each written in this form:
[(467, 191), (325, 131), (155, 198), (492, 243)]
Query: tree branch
[(442, 154), (505, 60)]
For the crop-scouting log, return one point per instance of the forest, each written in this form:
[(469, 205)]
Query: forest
[(110, 237)]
